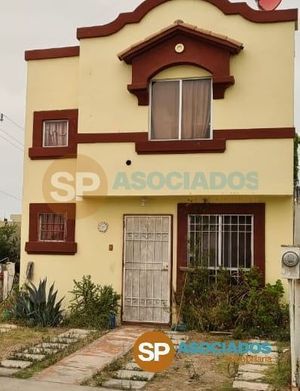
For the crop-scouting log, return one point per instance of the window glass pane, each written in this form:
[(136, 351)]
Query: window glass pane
[(196, 107), (216, 241), (55, 134), (165, 110), (52, 227)]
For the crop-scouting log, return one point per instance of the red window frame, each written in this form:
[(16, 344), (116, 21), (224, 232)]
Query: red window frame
[(38, 151), (37, 246)]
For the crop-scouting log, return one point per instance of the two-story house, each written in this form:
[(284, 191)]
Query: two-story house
[(163, 141)]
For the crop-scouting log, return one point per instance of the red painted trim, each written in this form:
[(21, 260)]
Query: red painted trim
[(255, 133), (202, 49), (171, 147), (183, 210), (144, 146), (228, 8), (34, 246), (90, 138), (223, 42), (45, 54), (38, 151)]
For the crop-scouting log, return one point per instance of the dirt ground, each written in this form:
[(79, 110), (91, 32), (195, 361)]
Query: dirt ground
[(16, 339), (195, 372)]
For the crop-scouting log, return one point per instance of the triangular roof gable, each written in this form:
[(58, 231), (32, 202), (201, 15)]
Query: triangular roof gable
[(218, 40)]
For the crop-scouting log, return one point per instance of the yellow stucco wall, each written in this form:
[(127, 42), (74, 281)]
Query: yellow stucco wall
[(105, 267), (96, 84), (261, 97)]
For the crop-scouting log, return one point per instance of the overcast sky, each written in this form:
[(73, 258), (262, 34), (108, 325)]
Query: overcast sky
[(33, 24)]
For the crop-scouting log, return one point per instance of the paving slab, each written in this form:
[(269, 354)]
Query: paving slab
[(252, 368), (89, 360), (133, 375), (9, 384), (118, 384), (132, 366), (51, 345), (35, 350), (8, 326), (8, 371), (245, 385), (251, 376), (15, 364), (29, 356)]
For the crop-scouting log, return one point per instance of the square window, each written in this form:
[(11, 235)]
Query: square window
[(52, 227), (181, 109), (55, 133)]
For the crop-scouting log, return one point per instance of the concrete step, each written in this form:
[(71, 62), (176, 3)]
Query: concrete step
[(252, 368), (133, 375), (250, 376), (44, 351), (8, 326), (20, 364), (51, 345), (250, 386), (28, 356), (132, 366), (6, 372), (63, 340), (119, 384)]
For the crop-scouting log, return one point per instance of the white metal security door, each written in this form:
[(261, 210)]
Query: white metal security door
[(146, 273)]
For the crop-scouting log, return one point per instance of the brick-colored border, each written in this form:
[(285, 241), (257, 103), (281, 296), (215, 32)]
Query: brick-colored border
[(145, 147), (34, 246), (45, 54), (38, 151), (228, 8), (202, 50), (183, 210)]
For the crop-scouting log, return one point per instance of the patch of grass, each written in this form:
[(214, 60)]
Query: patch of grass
[(107, 372), (52, 359), (22, 337), (279, 376)]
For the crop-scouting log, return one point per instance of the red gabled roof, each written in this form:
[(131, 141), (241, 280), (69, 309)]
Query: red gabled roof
[(225, 6), (219, 40)]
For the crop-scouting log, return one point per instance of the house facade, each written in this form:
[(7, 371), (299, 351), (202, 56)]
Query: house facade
[(163, 141)]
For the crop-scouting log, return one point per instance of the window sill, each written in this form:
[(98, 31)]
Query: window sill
[(62, 248), (52, 152), (181, 146)]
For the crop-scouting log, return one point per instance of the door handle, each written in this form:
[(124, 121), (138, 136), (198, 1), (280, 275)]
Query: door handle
[(165, 267)]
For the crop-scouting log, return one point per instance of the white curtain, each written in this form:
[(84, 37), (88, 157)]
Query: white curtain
[(55, 133)]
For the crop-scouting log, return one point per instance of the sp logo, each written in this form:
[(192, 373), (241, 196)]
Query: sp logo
[(268, 5), (153, 351)]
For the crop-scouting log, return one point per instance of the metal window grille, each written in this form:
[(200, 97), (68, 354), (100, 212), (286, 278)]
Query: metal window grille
[(52, 227), (221, 241)]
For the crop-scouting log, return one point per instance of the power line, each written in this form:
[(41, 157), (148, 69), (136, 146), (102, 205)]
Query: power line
[(2, 115), (10, 195), (12, 137), (11, 143)]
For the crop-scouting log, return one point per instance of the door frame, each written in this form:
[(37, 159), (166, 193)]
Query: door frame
[(171, 266)]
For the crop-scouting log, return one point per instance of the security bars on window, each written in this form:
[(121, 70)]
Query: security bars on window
[(221, 241), (52, 227)]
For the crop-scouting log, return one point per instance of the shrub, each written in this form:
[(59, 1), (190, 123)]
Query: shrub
[(92, 305), (34, 307), (243, 305)]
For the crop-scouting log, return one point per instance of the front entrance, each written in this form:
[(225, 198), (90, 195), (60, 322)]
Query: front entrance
[(147, 269)]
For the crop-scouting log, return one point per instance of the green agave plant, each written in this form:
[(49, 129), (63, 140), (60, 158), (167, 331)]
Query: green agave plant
[(37, 308)]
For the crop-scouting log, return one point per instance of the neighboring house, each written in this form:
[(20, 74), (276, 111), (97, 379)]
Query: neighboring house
[(178, 120), (14, 219)]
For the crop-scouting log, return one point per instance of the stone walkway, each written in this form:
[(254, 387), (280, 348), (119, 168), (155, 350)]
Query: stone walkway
[(251, 375), (27, 356), (131, 377), (86, 362)]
